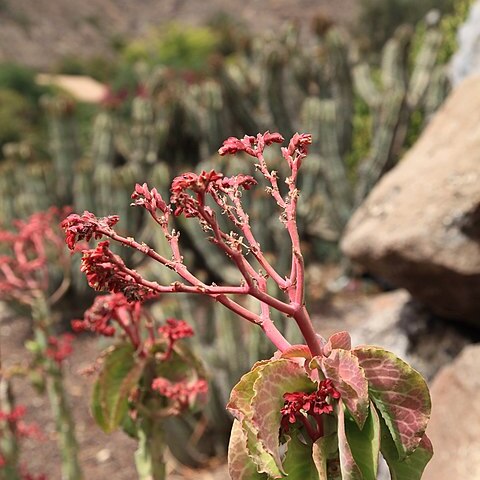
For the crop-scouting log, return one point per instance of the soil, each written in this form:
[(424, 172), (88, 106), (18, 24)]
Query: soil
[(101, 456)]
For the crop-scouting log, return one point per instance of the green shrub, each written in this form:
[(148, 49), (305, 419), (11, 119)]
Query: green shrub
[(21, 80), (177, 46), (449, 26), (15, 113)]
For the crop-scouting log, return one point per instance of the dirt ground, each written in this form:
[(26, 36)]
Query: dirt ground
[(40, 33), (101, 456)]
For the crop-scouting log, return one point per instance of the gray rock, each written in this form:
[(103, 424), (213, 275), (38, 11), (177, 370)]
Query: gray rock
[(466, 60), (395, 322), (419, 228), (455, 423)]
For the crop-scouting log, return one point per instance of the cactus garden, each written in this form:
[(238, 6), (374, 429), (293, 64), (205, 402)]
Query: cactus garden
[(245, 248)]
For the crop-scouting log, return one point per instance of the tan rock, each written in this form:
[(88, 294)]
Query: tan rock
[(83, 88), (420, 227), (455, 424)]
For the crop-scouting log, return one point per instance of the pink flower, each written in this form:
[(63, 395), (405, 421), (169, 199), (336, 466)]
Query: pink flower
[(21, 429), (199, 184), (105, 310), (248, 144), (299, 144), (151, 200), (30, 245), (86, 226), (176, 329), (15, 415), (300, 404), (60, 348), (106, 271), (181, 394), (238, 181), (297, 149)]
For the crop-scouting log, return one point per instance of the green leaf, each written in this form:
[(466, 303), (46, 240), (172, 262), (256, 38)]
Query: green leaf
[(365, 443), (325, 457), (121, 372), (298, 462), (96, 408), (348, 466), (257, 452), (348, 377), (275, 378), (400, 394), (240, 405), (242, 393), (411, 467), (240, 465)]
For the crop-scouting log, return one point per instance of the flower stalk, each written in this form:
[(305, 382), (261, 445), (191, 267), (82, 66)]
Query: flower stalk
[(201, 196)]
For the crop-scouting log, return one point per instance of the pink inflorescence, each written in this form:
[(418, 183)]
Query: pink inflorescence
[(299, 404), (106, 271), (198, 184), (180, 394), (151, 200), (21, 429), (175, 329), (59, 348), (249, 144), (105, 312), (85, 226), (27, 249)]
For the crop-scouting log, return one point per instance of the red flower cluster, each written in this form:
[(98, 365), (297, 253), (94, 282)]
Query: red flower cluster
[(105, 310), (14, 416), (26, 251), (238, 181), (21, 429), (181, 394), (60, 348), (175, 329), (299, 404), (151, 200), (248, 144), (86, 226), (199, 184), (106, 271), (297, 149)]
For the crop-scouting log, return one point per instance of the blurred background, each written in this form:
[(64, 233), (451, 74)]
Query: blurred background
[(97, 96)]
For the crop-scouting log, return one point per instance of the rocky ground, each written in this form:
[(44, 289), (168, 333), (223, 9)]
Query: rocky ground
[(41, 32)]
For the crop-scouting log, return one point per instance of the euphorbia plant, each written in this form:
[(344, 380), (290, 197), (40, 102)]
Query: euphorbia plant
[(148, 375), (29, 252), (13, 429), (319, 410)]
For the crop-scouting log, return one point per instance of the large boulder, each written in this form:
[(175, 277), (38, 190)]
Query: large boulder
[(420, 226), (454, 427)]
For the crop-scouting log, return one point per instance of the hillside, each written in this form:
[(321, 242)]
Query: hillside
[(39, 33)]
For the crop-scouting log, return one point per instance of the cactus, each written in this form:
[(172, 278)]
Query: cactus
[(9, 445), (64, 146)]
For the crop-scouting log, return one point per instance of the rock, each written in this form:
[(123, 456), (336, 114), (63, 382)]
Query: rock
[(466, 60), (454, 427), (420, 226), (395, 322)]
